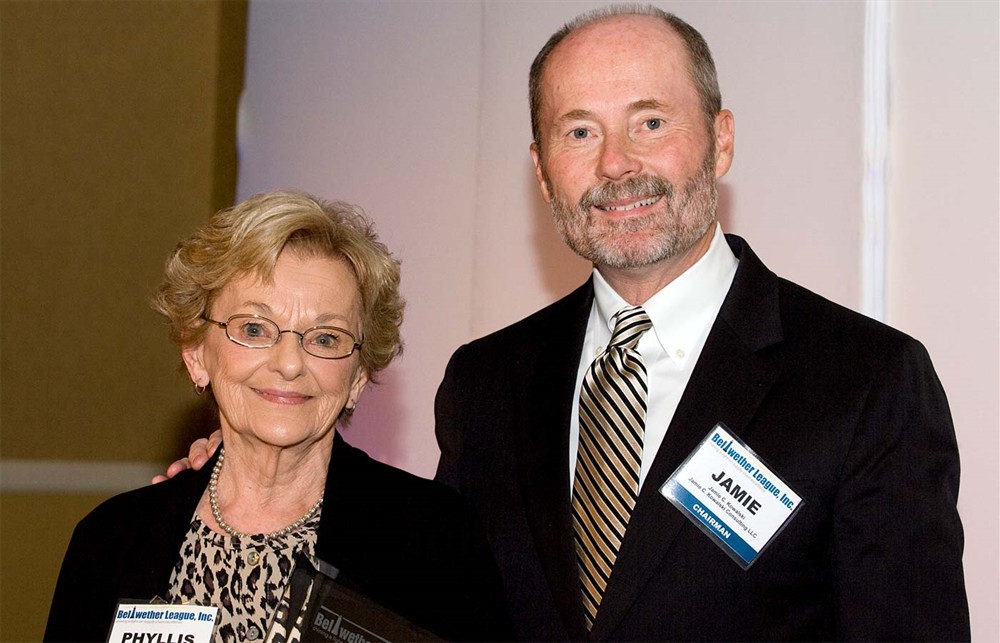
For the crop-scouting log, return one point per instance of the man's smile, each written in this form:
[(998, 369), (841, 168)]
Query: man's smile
[(625, 207)]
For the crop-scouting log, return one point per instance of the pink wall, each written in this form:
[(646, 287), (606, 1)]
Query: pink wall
[(943, 265), (418, 112)]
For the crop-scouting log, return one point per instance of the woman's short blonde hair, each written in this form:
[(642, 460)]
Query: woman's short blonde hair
[(248, 238)]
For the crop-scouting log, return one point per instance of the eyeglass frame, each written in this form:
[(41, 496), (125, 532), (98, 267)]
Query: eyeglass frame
[(225, 327)]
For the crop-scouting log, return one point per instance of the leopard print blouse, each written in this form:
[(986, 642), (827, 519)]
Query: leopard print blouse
[(245, 577)]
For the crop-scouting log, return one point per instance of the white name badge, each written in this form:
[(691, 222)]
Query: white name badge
[(163, 623), (732, 495)]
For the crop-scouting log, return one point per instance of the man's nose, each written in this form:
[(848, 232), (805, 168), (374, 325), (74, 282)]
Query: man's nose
[(618, 158)]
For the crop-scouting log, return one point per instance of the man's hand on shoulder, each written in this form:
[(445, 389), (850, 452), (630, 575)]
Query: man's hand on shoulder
[(201, 450)]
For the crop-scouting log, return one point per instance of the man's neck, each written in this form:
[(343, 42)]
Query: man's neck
[(637, 285)]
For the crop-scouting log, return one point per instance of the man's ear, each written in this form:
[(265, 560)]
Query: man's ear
[(193, 357), (725, 133), (536, 158)]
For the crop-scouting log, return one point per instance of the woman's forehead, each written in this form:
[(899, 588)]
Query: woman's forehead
[(301, 284)]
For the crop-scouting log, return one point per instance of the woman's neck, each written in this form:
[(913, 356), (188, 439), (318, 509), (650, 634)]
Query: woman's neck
[(262, 488)]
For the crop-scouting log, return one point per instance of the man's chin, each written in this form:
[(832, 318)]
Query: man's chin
[(633, 250)]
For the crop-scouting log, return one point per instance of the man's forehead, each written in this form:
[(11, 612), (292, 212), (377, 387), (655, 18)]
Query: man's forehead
[(615, 40), (609, 51), (621, 29)]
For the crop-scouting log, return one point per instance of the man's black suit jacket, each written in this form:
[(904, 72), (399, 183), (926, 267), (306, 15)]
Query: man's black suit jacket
[(848, 411), (407, 543)]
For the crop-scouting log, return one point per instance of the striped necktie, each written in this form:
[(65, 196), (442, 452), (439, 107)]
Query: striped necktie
[(612, 421)]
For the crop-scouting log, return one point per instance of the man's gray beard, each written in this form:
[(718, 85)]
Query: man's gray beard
[(680, 220)]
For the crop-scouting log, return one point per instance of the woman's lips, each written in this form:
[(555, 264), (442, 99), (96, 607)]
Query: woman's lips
[(282, 397)]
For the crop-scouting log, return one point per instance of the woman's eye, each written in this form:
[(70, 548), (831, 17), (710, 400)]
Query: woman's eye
[(579, 133), (654, 123), (253, 330), (326, 339)]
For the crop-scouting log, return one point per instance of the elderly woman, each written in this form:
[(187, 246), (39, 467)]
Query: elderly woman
[(284, 308)]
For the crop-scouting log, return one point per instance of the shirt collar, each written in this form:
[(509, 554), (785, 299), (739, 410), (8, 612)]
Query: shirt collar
[(683, 310)]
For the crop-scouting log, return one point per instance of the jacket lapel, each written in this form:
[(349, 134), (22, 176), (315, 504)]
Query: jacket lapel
[(737, 367), (543, 451)]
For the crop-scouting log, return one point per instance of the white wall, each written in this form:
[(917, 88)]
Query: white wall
[(378, 104), (943, 268), (418, 112)]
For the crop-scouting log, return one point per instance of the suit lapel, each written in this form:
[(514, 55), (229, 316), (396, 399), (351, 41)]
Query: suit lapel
[(737, 366), (543, 451)]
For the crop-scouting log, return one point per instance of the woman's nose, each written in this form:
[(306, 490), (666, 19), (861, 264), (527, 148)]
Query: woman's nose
[(287, 355)]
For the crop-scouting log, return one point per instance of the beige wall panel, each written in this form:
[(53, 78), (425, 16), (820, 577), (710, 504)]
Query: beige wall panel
[(118, 138), (34, 533), (112, 151)]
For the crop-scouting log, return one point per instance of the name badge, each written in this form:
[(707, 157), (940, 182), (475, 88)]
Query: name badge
[(729, 493), (163, 623)]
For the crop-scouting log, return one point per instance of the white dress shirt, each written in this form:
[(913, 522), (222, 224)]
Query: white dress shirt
[(682, 314)]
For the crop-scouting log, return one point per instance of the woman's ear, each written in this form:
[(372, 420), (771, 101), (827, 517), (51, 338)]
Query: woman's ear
[(193, 357), (360, 381)]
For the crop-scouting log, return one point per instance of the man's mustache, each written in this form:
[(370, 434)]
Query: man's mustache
[(636, 187)]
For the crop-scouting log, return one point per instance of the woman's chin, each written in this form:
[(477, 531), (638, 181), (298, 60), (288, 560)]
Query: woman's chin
[(284, 436)]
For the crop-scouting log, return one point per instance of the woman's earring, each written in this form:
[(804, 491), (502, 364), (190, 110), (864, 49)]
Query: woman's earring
[(199, 389)]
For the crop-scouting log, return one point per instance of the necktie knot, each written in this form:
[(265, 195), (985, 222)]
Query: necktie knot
[(630, 323)]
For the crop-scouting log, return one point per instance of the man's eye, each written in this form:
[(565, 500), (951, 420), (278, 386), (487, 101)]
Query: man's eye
[(654, 123), (579, 133)]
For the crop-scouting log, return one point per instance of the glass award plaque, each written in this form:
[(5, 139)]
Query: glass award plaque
[(315, 607)]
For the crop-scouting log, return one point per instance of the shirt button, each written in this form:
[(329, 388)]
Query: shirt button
[(253, 558), (680, 353), (253, 633)]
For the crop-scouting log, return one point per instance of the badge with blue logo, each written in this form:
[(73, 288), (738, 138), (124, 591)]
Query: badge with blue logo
[(729, 493), (160, 622)]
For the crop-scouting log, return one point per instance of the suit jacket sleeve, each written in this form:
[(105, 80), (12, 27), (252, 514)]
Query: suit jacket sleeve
[(448, 424), (897, 537)]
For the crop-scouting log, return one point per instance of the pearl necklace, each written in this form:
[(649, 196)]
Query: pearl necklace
[(213, 501)]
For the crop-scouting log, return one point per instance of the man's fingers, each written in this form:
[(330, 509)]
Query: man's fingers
[(175, 467), (214, 441), (202, 449), (180, 465), (198, 453)]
